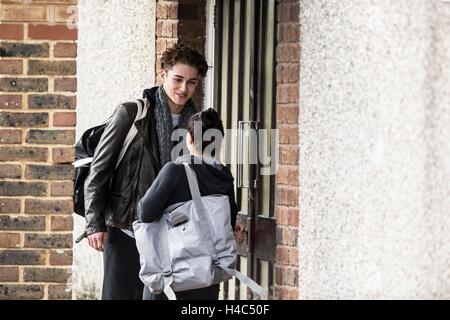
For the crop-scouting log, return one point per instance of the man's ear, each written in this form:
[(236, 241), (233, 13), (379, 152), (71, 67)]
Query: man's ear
[(163, 74)]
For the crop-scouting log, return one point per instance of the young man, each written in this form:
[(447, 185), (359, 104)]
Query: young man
[(111, 195)]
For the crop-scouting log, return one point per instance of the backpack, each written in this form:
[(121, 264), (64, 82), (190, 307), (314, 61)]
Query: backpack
[(191, 246), (84, 153)]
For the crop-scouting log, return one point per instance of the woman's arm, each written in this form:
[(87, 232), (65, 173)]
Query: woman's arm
[(152, 205)]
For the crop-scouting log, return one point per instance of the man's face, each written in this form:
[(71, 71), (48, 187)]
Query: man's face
[(180, 84)]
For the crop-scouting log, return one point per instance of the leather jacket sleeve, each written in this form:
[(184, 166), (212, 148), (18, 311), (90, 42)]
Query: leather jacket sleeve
[(102, 169)]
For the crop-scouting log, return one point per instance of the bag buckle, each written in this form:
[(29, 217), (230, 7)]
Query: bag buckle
[(167, 273)]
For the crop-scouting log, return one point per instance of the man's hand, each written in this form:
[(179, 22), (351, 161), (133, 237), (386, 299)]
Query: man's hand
[(239, 232), (98, 240)]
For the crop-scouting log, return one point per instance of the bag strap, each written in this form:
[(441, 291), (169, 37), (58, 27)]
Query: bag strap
[(203, 219), (205, 223), (165, 260), (140, 114)]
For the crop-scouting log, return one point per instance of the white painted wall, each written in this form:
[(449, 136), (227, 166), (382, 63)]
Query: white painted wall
[(374, 149), (116, 61)]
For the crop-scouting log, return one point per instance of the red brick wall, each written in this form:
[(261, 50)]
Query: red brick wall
[(287, 75), (180, 20), (37, 120)]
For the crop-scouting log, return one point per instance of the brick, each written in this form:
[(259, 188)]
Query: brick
[(288, 52), (62, 223), (287, 216), (22, 223), (11, 66), (287, 175), (10, 101), (51, 101), (61, 189), (23, 119), (288, 93), (36, 274), (55, 32), (167, 28), (23, 84), (61, 257), (22, 257), (294, 72), (63, 155), (65, 50), (287, 114), (289, 134), (287, 196), (282, 255), (288, 32), (9, 205), (43, 67), (10, 31), (10, 136), (10, 171), (49, 241), (59, 292), (293, 257), (23, 153), (24, 50), (64, 119), (55, 1), (288, 72), (286, 276), (51, 136), (66, 84), (282, 214), (9, 240), (66, 14), (23, 13), (21, 291), (286, 293), (13, 188), (167, 10), (288, 12), (46, 172), (9, 274), (289, 154), (287, 235), (44, 206)]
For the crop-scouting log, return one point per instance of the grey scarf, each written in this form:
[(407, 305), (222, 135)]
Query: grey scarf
[(164, 123)]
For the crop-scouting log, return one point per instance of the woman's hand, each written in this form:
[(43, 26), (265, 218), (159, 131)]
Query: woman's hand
[(239, 232)]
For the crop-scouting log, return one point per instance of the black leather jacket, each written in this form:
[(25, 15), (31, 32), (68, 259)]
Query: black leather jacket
[(111, 195)]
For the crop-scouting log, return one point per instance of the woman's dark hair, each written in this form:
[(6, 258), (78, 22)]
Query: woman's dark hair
[(181, 53), (209, 119)]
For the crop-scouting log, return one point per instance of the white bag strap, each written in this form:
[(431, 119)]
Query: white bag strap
[(203, 219), (207, 227), (141, 113), (256, 288), (166, 264)]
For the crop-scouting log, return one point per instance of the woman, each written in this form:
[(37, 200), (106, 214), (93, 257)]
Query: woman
[(171, 186)]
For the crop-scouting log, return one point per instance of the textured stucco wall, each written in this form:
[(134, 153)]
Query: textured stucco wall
[(374, 149), (116, 40)]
